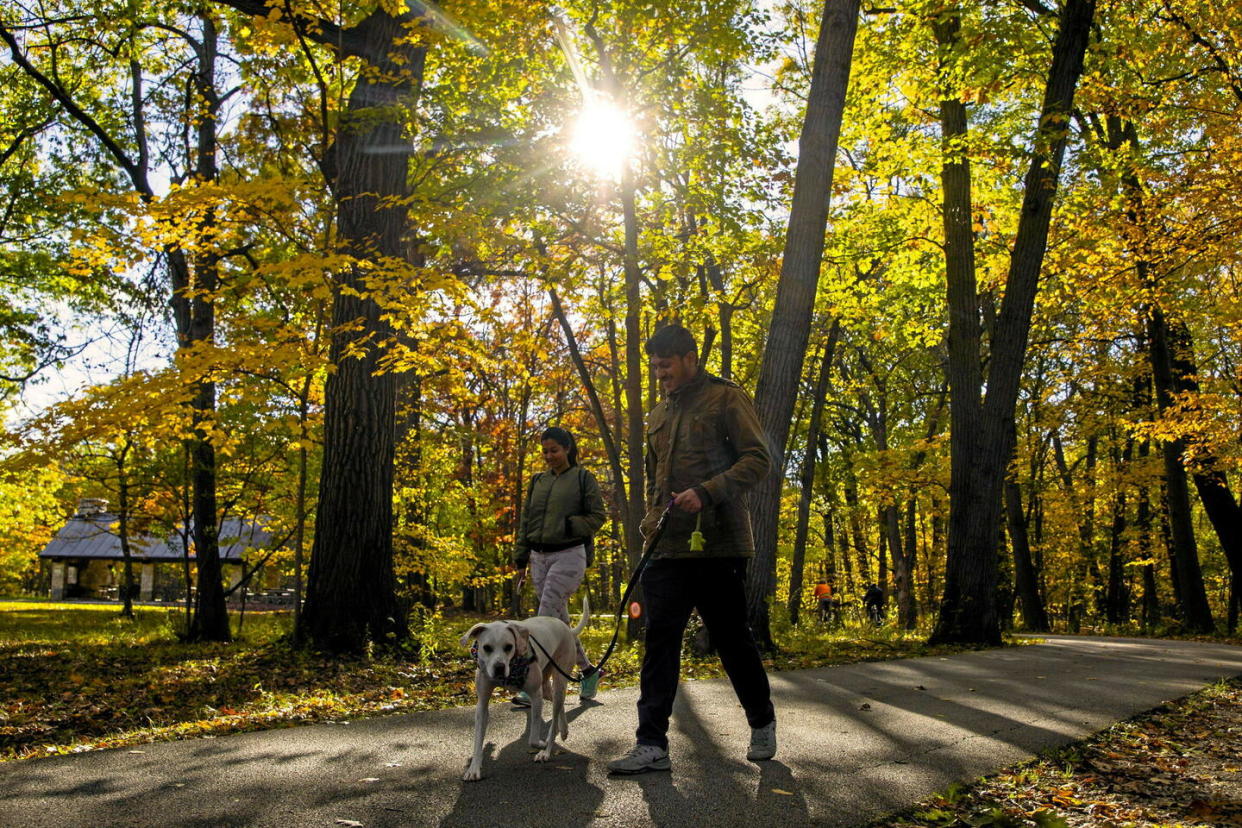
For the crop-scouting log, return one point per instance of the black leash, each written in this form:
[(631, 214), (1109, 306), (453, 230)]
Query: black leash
[(648, 549)]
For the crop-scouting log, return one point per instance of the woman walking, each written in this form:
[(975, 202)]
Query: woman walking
[(564, 510)]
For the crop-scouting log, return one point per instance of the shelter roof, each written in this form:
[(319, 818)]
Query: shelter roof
[(97, 536)]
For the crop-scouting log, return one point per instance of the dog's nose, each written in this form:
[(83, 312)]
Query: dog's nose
[(498, 673)]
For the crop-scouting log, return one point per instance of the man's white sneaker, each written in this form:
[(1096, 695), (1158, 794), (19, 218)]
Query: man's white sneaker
[(640, 759), (762, 742)]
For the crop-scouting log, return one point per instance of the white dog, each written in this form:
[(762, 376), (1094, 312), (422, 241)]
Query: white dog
[(505, 650)]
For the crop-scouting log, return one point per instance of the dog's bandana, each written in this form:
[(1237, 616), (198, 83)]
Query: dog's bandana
[(519, 666)]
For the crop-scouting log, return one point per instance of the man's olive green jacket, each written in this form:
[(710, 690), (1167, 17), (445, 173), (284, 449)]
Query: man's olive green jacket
[(705, 435)]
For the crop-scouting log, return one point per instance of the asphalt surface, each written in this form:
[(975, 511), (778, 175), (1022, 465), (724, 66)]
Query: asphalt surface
[(856, 742)]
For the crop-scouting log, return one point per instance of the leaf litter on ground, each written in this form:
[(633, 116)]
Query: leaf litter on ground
[(1177, 765)]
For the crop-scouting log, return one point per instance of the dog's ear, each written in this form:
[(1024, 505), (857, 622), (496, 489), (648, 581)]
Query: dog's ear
[(472, 634), (523, 637)]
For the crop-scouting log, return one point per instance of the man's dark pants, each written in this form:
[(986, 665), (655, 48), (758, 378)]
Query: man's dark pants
[(716, 587)]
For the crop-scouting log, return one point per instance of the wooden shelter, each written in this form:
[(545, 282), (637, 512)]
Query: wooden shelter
[(87, 560)]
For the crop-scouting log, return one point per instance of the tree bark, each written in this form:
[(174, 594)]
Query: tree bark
[(789, 330), (635, 435), (981, 443), (807, 477), (211, 620), (351, 588), (1188, 575), (1026, 583), (1211, 482)]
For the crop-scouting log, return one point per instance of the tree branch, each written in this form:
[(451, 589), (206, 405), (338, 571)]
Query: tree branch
[(137, 175)]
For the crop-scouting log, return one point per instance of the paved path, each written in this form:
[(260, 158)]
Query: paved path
[(856, 742)]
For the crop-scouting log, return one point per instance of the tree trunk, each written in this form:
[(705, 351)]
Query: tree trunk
[(1151, 599), (807, 476), (1081, 585), (1026, 583), (1191, 593), (635, 433), (980, 456), (597, 409), (1211, 482), (830, 554), (1183, 551), (1117, 595), (194, 318), (908, 602), (853, 512), (351, 589), (123, 528), (850, 587), (211, 620), (789, 329)]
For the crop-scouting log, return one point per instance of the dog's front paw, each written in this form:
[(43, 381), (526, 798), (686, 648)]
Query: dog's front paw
[(544, 755), (474, 772)]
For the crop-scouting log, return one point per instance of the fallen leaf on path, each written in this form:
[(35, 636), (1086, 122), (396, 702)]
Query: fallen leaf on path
[(782, 793), (352, 823)]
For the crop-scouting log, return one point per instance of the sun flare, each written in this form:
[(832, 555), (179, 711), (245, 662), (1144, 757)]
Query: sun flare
[(603, 138)]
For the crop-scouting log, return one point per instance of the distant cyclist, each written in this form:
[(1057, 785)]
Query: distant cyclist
[(873, 603), (829, 608)]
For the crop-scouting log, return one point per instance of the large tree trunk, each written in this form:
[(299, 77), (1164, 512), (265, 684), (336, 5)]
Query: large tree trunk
[(1211, 482), (789, 330), (635, 436), (980, 457), (211, 620), (351, 589), (1188, 576)]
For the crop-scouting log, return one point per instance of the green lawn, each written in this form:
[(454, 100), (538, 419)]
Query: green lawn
[(79, 677)]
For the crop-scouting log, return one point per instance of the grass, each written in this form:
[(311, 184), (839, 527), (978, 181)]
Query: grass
[(78, 677)]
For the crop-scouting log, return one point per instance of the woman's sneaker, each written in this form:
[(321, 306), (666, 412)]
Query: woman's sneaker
[(590, 685), (522, 699), (640, 759)]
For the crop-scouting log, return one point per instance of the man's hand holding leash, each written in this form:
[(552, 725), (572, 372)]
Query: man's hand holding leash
[(688, 501)]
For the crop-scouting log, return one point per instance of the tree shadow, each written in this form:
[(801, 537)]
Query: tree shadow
[(554, 793)]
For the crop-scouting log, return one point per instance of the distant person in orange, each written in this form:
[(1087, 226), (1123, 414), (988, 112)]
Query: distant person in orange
[(826, 603)]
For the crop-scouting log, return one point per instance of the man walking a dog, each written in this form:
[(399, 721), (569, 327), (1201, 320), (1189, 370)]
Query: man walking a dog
[(705, 449)]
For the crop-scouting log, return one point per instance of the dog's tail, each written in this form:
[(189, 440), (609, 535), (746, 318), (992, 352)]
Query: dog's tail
[(586, 614)]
